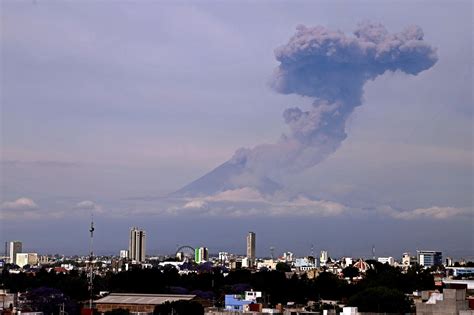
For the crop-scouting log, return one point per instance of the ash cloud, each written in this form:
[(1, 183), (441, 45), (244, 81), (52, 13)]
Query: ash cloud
[(331, 68)]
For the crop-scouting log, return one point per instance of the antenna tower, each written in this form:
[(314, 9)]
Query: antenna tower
[(373, 252), (91, 265)]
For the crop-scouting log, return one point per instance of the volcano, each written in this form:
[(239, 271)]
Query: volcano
[(230, 175)]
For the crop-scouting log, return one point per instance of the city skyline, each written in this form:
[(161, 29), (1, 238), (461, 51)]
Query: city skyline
[(196, 123)]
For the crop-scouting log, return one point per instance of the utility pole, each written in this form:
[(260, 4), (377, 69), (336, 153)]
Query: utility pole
[(91, 265)]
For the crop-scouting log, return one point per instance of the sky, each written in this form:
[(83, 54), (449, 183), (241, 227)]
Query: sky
[(108, 107)]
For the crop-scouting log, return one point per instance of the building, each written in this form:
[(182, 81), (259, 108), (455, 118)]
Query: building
[(15, 248), (223, 257), (348, 261), (238, 302), (143, 303), (251, 248), (124, 254), (386, 260), (323, 258), (305, 264), (267, 263), (201, 254), (362, 265), (460, 271), (449, 262), (136, 248), (288, 257), (429, 258), (23, 259), (450, 302)]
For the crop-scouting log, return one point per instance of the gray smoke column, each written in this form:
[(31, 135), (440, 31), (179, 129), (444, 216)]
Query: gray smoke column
[(332, 68)]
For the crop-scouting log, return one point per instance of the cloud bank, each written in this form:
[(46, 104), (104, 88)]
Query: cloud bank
[(246, 202), (331, 68), (22, 203), (88, 205)]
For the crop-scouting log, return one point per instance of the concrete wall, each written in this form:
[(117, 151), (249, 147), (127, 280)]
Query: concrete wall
[(102, 308), (452, 303)]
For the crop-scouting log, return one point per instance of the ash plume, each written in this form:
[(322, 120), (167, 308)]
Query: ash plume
[(331, 68)]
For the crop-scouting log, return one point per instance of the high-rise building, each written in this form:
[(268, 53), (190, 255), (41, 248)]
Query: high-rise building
[(323, 258), (223, 257), (428, 258), (136, 248), (201, 254), (124, 254), (15, 248), (251, 248)]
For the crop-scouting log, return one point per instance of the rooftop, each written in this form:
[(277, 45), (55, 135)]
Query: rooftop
[(147, 299)]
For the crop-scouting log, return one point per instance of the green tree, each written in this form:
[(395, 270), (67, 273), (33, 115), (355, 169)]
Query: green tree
[(281, 266), (381, 299), (350, 272)]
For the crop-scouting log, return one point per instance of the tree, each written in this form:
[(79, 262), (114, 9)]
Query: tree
[(48, 301), (381, 299), (350, 272), (179, 308), (281, 266)]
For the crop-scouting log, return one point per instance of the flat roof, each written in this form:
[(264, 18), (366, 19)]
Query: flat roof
[(144, 299)]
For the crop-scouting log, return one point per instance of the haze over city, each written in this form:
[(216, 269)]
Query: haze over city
[(325, 125)]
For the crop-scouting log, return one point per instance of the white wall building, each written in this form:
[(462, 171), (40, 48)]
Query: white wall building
[(223, 257), (23, 259), (124, 254), (386, 260), (15, 248), (288, 256), (323, 258)]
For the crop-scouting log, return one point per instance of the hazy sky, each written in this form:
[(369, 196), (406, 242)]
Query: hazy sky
[(109, 106)]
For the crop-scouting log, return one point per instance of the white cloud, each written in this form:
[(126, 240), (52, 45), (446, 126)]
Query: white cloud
[(21, 208), (88, 205), (22, 203), (434, 212), (195, 204), (249, 202)]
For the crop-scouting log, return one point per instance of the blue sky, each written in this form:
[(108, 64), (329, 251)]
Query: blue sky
[(109, 106)]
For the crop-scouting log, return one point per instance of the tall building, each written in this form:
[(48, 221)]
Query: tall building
[(251, 248), (323, 258), (428, 258), (136, 248), (123, 254), (15, 248), (201, 255)]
